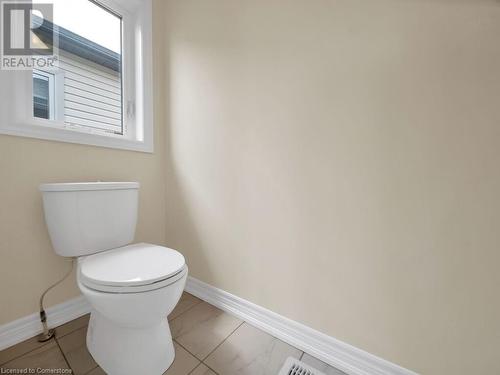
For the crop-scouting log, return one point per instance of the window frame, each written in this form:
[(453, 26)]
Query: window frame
[(56, 86), (137, 97), (51, 87)]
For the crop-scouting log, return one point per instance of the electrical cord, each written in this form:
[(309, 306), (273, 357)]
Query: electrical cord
[(47, 333)]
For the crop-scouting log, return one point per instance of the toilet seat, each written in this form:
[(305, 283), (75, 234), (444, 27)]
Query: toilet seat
[(131, 269)]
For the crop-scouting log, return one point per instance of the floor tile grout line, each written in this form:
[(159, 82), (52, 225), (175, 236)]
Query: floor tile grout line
[(182, 313), (190, 307), (56, 339), (201, 360), (222, 342), (29, 351), (64, 355), (198, 365), (276, 338), (76, 330), (70, 332), (41, 345), (195, 357), (215, 372), (183, 347)]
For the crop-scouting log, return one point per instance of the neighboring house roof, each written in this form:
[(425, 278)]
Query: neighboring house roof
[(77, 45)]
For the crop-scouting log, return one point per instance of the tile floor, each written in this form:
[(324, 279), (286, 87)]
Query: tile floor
[(207, 341)]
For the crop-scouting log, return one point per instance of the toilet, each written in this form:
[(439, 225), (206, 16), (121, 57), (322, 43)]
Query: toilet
[(130, 287)]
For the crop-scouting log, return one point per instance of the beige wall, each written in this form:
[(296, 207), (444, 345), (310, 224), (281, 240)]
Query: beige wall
[(28, 264), (337, 161), (334, 161)]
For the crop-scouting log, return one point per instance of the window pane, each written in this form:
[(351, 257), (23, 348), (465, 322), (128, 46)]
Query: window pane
[(41, 96), (90, 63)]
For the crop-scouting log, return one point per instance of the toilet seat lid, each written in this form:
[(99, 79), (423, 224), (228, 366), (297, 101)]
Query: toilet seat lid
[(132, 265)]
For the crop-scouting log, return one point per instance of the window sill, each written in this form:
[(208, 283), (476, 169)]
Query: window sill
[(77, 137)]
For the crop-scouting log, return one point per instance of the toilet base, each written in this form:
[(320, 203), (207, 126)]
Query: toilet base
[(128, 350)]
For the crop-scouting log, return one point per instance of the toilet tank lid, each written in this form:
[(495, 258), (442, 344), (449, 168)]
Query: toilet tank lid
[(79, 186)]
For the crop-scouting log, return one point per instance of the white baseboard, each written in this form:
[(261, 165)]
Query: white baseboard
[(22, 329), (336, 353)]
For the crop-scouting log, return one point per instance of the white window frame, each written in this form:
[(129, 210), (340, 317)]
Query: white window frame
[(16, 91), (51, 80), (56, 90)]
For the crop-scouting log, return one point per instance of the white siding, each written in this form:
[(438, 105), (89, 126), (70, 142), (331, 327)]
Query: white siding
[(92, 94)]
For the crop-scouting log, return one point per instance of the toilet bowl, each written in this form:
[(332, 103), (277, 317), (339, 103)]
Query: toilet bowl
[(130, 287), (132, 290)]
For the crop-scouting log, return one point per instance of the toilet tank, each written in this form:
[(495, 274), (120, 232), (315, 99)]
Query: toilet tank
[(88, 217)]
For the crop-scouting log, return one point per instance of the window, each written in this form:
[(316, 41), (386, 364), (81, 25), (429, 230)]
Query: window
[(90, 65), (43, 95), (100, 91)]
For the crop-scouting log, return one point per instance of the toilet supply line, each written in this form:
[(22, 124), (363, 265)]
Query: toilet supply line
[(47, 333)]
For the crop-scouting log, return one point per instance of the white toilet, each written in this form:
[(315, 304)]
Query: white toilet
[(131, 287)]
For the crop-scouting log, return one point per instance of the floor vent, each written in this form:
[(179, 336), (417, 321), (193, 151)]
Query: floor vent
[(293, 366)]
